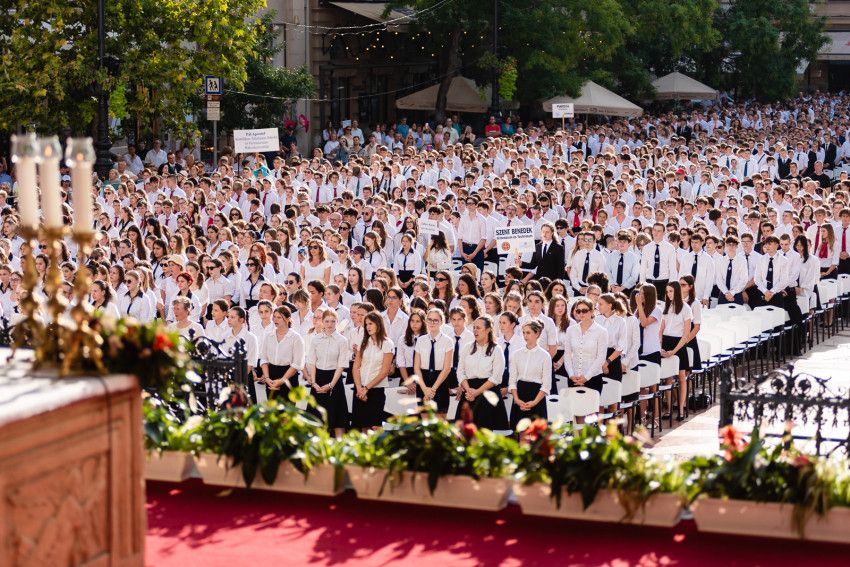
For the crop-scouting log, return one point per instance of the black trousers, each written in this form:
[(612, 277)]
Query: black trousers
[(660, 287)]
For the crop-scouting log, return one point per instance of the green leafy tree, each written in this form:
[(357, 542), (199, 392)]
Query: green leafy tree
[(278, 85), (667, 35), (48, 53), (765, 42)]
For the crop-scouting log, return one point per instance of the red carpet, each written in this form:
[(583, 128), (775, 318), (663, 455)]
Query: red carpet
[(191, 524)]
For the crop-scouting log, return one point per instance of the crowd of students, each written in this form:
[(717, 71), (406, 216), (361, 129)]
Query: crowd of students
[(321, 269)]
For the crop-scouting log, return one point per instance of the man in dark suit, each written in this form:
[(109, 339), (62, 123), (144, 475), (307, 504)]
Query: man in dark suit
[(548, 258), (830, 152)]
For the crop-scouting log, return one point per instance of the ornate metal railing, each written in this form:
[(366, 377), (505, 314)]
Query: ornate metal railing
[(784, 399), (218, 368)]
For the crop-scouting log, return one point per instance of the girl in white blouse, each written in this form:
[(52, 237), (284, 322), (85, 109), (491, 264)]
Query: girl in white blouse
[(217, 327), (281, 355), (530, 376), (327, 358), (675, 328), (611, 319), (587, 343), (558, 313), (372, 365), (644, 302), (134, 303), (432, 360), (689, 296), (510, 340), (404, 352), (809, 271), (480, 369)]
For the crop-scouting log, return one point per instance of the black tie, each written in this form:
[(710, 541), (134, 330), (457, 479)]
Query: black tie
[(586, 271), (641, 338), (545, 248), (506, 373), (694, 267), (431, 357), (404, 263), (620, 270), (456, 355), (770, 275), (729, 275), (656, 270)]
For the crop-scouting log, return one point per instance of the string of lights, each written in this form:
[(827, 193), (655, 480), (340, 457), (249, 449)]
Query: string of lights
[(367, 28)]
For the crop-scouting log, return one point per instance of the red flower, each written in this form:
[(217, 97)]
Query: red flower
[(731, 440), (537, 427), (469, 430), (162, 342), (801, 461), (466, 413)]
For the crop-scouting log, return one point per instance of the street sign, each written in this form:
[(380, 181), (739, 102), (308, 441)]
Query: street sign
[(563, 110), (213, 112), (212, 85)]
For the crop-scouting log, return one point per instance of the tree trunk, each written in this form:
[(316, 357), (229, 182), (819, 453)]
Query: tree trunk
[(450, 59)]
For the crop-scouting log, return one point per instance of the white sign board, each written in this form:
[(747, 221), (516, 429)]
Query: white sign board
[(252, 141), (515, 239), (428, 227), (212, 85), (214, 110), (563, 110)]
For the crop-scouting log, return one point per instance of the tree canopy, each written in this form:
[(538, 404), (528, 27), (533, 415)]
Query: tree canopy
[(48, 52)]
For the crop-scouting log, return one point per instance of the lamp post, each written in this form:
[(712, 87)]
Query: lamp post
[(103, 144)]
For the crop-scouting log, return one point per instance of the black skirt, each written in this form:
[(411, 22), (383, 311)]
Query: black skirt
[(441, 396), (668, 343), (654, 357), (371, 412), (615, 369), (485, 414), (249, 303), (276, 372), (527, 392), (334, 401)]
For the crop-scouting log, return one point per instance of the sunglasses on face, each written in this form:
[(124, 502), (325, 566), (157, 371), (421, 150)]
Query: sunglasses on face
[(442, 279), (581, 311)]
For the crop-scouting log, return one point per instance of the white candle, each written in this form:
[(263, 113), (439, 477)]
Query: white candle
[(79, 156), (25, 151), (51, 195)]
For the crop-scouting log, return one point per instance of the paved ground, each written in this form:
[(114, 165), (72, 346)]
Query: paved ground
[(698, 435)]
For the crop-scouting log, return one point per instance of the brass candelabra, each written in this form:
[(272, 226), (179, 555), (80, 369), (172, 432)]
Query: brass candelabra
[(84, 344), (30, 330)]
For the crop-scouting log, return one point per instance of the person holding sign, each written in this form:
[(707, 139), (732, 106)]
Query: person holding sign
[(548, 258)]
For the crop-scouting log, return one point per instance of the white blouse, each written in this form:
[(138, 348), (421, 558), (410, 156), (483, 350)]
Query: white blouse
[(651, 335), (328, 352), (442, 345), (585, 352), (372, 360), (616, 327), (289, 351), (479, 365), (531, 365), (630, 358), (674, 323), (315, 272), (217, 331), (138, 307), (250, 339), (549, 334), (404, 354)]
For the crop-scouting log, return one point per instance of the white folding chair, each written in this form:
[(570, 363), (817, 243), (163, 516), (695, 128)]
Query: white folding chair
[(611, 395), (399, 402), (583, 401), (349, 396), (558, 409)]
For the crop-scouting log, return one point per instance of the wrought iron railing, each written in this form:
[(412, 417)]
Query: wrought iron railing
[(218, 368), (814, 410)]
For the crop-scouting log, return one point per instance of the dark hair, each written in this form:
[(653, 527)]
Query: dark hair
[(376, 298), (692, 295), (380, 335), (491, 342), (802, 240), (409, 339), (676, 302)]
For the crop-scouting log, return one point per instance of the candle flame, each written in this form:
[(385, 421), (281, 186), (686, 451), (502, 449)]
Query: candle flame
[(48, 151)]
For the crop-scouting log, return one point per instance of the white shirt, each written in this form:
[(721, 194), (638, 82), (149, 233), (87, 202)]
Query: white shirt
[(667, 267), (780, 273), (704, 280), (191, 331), (630, 357), (396, 327), (138, 307), (328, 352), (479, 365), (674, 323), (218, 289), (217, 332), (472, 230), (576, 266), (651, 334), (289, 351), (617, 331), (531, 365), (251, 352), (372, 360), (441, 344), (585, 351), (739, 278), (549, 334)]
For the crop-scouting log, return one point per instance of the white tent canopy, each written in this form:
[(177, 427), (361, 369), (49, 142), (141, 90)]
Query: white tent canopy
[(463, 96), (677, 86), (596, 99)]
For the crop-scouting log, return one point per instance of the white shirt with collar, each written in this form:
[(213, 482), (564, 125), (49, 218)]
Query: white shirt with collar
[(781, 277), (479, 364), (585, 350), (740, 275), (667, 267), (289, 351)]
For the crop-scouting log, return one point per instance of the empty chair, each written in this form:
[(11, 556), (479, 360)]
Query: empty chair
[(399, 402), (583, 401), (611, 395), (559, 409)]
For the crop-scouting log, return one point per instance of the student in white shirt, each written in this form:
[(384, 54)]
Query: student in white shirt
[(135, 303), (530, 377), (432, 360), (731, 274), (586, 347), (611, 311), (675, 330), (510, 341), (217, 327), (327, 358), (406, 349), (480, 370), (372, 365), (239, 332), (281, 355)]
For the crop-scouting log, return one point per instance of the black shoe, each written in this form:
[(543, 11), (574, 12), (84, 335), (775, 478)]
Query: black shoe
[(666, 416), (680, 417)]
